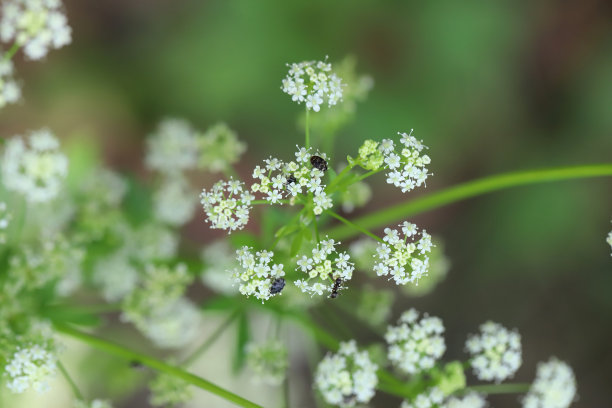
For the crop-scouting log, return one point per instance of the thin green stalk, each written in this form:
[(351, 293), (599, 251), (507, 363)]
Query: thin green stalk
[(211, 339), (354, 226), (369, 173), (508, 388), (11, 52), (73, 386), (469, 189), (307, 128), (129, 355)]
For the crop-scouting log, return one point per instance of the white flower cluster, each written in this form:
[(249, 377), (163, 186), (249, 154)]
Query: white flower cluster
[(277, 179), (496, 352), (30, 367), (256, 275), (313, 82), (173, 147), (36, 25), (430, 398), (9, 89), (609, 239), (174, 201), (268, 361), (172, 325), (219, 147), (405, 261), (348, 377), (407, 169), (554, 386), (415, 345), (5, 219), (219, 258), (169, 391), (92, 404), (323, 270), (37, 170), (434, 398), (227, 205), (115, 276)]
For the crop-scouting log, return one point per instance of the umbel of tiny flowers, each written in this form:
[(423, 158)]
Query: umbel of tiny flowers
[(32, 367), (347, 378), (169, 391), (257, 274), (415, 345), (434, 398), (268, 361), (219, 147), (404, 259), (9, 89), (227, 205), (496, 352), (553, 387), (324, 267), (36, 170), (35, 25), (5, 219), (219, 257), (314, 83), (173, 147), (174, 201), (609, 239)]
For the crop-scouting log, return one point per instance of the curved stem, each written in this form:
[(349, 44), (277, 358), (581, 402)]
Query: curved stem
[(509, 388), (466, 190), (155, 364), (73, 386), (210, 340), (354, 226), (11, 52)]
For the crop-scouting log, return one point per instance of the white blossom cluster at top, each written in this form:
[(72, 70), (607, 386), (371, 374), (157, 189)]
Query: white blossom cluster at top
[(496, 352), (314, 83)]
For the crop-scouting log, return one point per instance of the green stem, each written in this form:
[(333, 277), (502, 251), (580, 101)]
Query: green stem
[(340, 176), (469, 189), (509, 388), (73, 386), (307, 128), (369, 173), (211, 339), (354, 226), (155, 364), (11, 52)]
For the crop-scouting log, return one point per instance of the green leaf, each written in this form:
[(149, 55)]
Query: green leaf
[(242, 338)]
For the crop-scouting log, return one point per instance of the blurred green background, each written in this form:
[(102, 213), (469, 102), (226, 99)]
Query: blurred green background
[(489, 86)]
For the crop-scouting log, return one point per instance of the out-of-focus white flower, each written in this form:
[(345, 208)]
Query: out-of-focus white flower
[(268, 361), (9, 89), (227, 205), (174, 201), (374, 305), (219, 260), (36, 171), (355, 195), (471, 400), (554, 386), (313, 82), (5, 219), (362, 253), (152, 242), (30, 367), (173, 147), (173, 325), (36, 25), (169, 391), (415, 345), (496, 352), (324, 266), (609, 239), (219, 148), (257, 275), (430, 398), (115, 276), (97, 403), (404, 259), (347, 378)]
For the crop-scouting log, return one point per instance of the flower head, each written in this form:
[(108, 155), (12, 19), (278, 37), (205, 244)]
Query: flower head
[(36, 25), (257, 273), (173, 147), (174, 201), (314, 83), (406, 168), (430, 398), (115, 276), (471, 400), (36, 170), (415, 345), (348, 377), (268, 361), (404, 259), (324, 268), (219, 260), (30, 367), (227, 205), (5, 219), (9, 89), (609, 239), (496, 352), (168, 390), (219, 148), (554, 386)]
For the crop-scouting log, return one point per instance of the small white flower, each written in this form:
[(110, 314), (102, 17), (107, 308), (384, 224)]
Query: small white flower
[(268, 361), (36, 171), (36, 25), (312, 82), (115, 276), (9, 89), (219, 148), (609, 239), (174, 325), (430, 398), (415, 346), (30, 367), (174, 201), (219, 260), (227, 205), (5, 219), (407, 169), (255, 274), (496, 352), (173, 147), (554, 386), (347, 378)]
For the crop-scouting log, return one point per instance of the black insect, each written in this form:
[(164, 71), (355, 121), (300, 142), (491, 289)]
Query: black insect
[(318, 163), (337, 283), (277, 285), (291, 179)]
